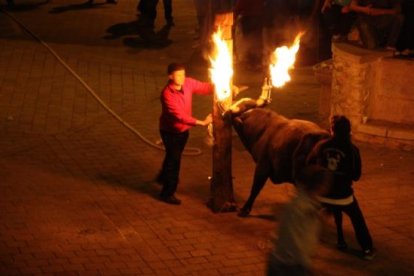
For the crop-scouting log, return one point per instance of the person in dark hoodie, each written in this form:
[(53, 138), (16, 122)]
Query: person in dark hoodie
[(340, 156)]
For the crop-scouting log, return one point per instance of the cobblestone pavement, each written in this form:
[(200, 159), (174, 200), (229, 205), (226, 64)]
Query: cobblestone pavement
[(78, 195)]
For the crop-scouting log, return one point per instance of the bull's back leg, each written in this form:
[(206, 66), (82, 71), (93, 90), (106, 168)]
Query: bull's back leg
[(261, 174)]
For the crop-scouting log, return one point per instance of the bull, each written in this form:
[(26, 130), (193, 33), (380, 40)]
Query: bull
[(279, 146)]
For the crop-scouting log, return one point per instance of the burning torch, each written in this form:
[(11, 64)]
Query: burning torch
[(282, 60)]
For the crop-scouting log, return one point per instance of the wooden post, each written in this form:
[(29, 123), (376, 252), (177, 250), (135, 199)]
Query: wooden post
[(221, 189)]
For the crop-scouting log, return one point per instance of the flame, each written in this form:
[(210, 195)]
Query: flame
[(221, 70), (283, 59)]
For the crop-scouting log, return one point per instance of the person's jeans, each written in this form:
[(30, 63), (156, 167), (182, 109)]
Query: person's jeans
[(174, 144), (168, 10), (337, 22), (380, 30), (358, 222)]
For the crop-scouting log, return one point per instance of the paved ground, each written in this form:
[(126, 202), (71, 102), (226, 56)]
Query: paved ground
[(77, 191)]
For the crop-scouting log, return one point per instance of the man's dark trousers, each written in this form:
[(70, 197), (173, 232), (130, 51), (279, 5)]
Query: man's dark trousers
[(174, 144), (168, 11), (358, 222)]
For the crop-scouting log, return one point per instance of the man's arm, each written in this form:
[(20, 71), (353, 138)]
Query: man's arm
[(177, 111), (356, 7), (396, 9), (199, 87), (206, 121)]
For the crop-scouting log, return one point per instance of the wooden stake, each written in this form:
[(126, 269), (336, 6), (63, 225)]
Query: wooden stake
[(221, 189)]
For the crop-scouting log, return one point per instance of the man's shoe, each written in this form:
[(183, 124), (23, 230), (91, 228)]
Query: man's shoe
[(171, 200), (369, 254)]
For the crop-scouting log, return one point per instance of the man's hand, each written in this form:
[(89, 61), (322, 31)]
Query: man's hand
[(206, 121)]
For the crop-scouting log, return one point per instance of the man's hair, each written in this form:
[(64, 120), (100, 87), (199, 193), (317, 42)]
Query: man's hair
[(172, 67), (341, 126)]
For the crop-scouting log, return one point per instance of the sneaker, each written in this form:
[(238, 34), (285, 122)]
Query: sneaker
[(171, 200), (369, 254)]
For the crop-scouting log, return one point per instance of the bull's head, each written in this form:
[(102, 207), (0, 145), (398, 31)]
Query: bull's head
[(246, 104)]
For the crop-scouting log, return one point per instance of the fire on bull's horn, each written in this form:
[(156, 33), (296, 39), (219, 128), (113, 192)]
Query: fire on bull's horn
[(281, 61)]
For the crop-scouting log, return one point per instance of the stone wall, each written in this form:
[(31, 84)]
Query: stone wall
[(393, 99), (376, 92), (353, 80)]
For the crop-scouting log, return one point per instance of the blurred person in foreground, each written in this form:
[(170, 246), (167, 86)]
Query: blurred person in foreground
[(300, 225)]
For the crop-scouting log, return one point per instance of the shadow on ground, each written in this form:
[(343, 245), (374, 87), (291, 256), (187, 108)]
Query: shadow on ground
[(76, 7), (21, 7), (139, 35), (148, 186)]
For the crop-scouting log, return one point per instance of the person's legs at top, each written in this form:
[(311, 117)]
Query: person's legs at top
[(367, 32), (387, 29), (252, 28), (395, 26), (346, 22), (148, 12), (331, 19), (168, 12), (140, 5)]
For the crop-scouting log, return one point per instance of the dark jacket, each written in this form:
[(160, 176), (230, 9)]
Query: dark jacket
[(342, 158)]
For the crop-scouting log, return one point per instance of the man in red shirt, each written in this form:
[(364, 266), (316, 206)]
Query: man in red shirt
[(175, 121)]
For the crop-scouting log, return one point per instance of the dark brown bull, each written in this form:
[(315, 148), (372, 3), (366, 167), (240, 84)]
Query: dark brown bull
[(278, 145)]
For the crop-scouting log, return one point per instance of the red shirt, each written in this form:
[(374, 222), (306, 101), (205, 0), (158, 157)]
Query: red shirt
[(176, 113)]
